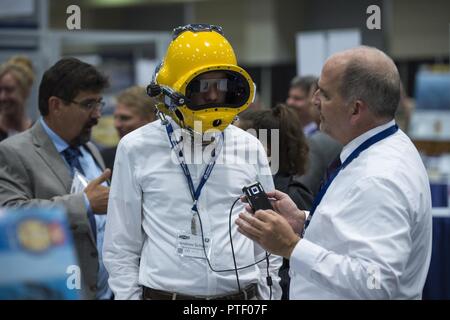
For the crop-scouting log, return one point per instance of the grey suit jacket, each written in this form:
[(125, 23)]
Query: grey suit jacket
[(322, 151), (32, 172)]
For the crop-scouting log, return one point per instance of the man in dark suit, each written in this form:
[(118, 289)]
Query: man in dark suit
[(322, 151), (37, 166)]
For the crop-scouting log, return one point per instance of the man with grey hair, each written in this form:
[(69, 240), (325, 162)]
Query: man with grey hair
[(299, 98), (368, 235)]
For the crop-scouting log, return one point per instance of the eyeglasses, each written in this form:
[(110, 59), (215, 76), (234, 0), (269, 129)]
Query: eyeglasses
[(204, 85), (196, 27), (90, 105)]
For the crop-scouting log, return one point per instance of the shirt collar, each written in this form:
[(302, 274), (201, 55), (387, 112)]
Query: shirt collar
[(310, 128), (185, 142), (355, 143), (59, 142)]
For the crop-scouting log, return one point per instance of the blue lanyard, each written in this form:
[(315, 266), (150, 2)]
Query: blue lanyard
[(363, 146), (195, 193)]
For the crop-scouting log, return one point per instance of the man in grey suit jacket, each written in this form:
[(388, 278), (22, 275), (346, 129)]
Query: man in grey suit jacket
[(322, 151), (34, 169)]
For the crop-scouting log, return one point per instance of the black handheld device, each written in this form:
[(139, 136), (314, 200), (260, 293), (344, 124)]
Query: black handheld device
[(257, 197)]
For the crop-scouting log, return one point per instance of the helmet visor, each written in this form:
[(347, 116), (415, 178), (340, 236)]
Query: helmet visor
[(217, 89)]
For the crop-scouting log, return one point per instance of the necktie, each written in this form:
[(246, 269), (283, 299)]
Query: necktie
[(332, 167), (72, 154), (330, 173), (330, 170)]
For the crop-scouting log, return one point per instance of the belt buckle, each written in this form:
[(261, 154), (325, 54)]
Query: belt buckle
[(241, 295), (237, 296)]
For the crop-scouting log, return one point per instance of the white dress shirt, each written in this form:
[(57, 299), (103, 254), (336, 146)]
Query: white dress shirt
[(370, 236), (150, 202)]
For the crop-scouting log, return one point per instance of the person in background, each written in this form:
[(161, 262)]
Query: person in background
[(299, 98), (244, 120), (323, 149), (134, 108), (16, 80), (291, 149), (405, 111), (291, 153), (39, 165)]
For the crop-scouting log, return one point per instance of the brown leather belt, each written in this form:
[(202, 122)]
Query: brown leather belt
[(152, 294)]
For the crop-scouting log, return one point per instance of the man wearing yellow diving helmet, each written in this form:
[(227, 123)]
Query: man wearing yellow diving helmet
[(169, 234)]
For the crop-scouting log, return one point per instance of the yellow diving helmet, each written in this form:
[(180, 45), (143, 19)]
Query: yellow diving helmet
[(199, 81)]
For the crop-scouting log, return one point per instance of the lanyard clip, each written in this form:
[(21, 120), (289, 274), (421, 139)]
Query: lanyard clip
[(194, 207), (193, 221)]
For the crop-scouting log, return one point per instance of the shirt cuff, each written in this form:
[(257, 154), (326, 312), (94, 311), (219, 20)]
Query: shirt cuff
[(86, 202), (302, 232), (305, 257)]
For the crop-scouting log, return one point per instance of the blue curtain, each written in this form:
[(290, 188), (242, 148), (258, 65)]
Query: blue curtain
[(437, 285)]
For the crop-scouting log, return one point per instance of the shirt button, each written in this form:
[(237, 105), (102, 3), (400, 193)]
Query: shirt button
[(93, 287)]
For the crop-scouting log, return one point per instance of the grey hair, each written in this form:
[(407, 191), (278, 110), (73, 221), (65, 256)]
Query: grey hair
[(379, 87), (305, 83)]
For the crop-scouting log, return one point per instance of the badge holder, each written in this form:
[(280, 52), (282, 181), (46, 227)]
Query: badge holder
[(190, 244), (79, 182)]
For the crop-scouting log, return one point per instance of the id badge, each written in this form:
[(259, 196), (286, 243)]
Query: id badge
[(191, 246)]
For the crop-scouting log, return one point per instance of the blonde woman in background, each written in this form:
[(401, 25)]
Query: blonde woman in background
[(16, 80)]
